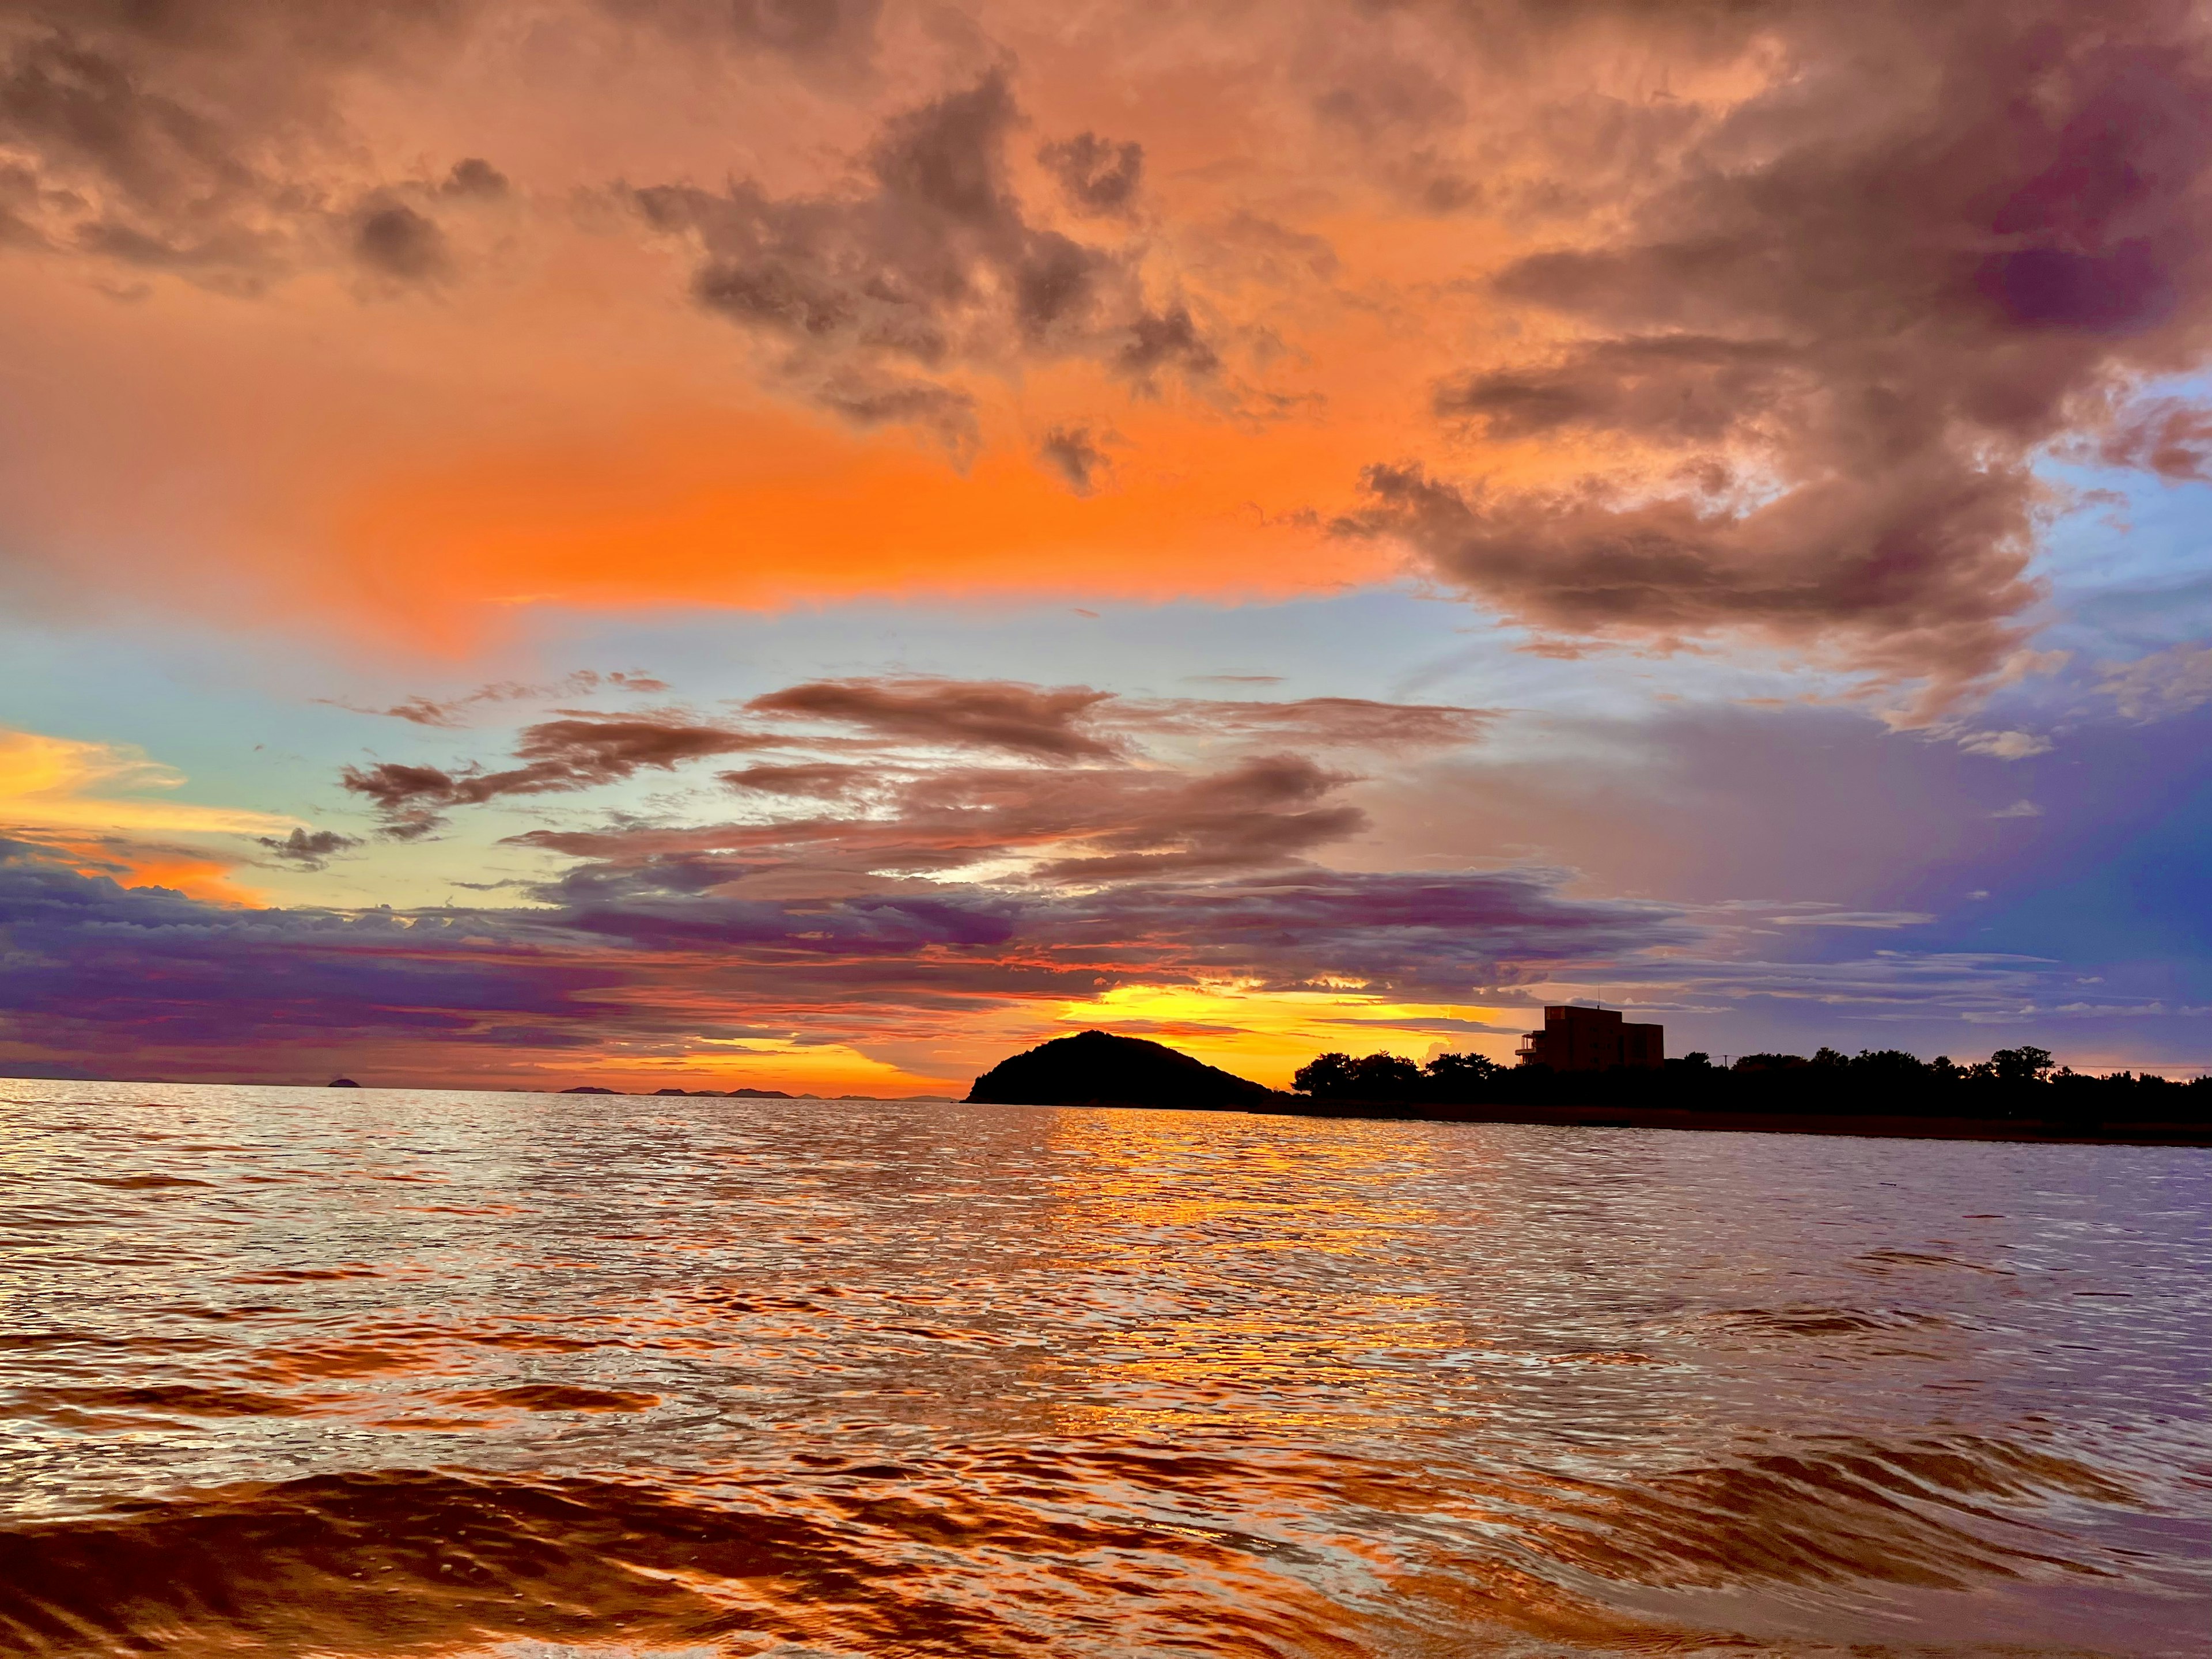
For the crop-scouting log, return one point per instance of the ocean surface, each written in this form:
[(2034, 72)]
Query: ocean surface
[(375, 1372)]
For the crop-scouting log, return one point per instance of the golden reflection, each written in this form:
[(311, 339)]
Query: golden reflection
[(1273, 1273)]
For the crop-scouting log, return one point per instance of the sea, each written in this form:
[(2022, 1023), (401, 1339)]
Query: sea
[(354, 1372)]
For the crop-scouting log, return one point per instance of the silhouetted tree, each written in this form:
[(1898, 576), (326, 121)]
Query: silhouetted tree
[(1462, 1079), (1768, 1063), (2021, 1065), (1386, 1077), (1326, 1077)]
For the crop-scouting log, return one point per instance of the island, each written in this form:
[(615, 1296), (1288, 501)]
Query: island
[(1096, 1069)]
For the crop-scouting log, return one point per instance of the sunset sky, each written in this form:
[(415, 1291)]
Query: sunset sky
[(812, 543)]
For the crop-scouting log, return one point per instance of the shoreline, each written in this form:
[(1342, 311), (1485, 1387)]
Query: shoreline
[(1876, 1125), (1872, 1126)]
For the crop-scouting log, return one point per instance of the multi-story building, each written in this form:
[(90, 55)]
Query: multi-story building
[(1592, 1040)]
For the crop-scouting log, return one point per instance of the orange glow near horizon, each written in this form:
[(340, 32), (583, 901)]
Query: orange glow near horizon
[(1265, 1035)]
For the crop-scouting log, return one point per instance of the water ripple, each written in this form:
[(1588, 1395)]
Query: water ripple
[(412, 1373)]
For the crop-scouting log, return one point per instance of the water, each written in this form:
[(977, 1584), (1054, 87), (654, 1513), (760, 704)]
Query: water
[(293, 1372)]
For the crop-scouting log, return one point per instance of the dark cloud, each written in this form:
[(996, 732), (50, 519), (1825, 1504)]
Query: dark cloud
[(1815, 360), (473, 176), (1096, 174), (1269, 810), (932, 264), (810, 779), (1111, 785), (91, 961), (1678, 388), (636, 955), (1921, 568), (188, 138), (210, 138), (1446, 935), (1053, 723), (809, 32), (393, 239), (1157, 340), (558, 756), (122, 169), (1071, 451), (1051, 823), (309, 849)]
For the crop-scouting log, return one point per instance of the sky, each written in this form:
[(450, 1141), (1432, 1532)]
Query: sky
[(814, 544)]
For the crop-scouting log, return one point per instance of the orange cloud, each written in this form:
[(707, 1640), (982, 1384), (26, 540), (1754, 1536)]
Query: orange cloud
[(1643, 323), (89, 802)]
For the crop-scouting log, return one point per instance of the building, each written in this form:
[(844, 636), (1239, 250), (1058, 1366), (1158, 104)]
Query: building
[(1592, 1040)]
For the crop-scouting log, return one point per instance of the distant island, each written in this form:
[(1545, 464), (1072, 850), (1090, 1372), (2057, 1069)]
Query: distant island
[(719, 1094), (741, 1094)]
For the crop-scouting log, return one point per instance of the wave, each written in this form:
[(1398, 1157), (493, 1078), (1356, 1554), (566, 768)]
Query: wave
[(1082, 1548)]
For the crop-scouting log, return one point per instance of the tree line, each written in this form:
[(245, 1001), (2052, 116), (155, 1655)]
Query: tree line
[(2011, 1082)]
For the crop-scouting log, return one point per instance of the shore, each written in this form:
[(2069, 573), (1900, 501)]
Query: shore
[(1885, 1126)]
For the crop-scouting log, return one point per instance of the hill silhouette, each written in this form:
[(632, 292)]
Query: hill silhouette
[(1096, 1068)]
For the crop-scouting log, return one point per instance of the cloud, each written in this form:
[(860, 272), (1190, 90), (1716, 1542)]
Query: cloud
[(1102, 787), (310, 849), (1827, 917), (1071, 452), (813, 780), (931, 266), (558, 756), (418, 710), (1162, 340), (1810, 357), (200, 138), (841, 33), (210, 140), (137, 859), (1095, 175), (650, 958), (1053, 823), (1321, 722), (1264, 810), (2169, 436), (223, 978), (1758, 323), (1080, 723), (1923, 595), (2166, 683), (2019, 808), (474, 176), (393, 239), (2005, 745), (1053, 723), (65, 783)]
